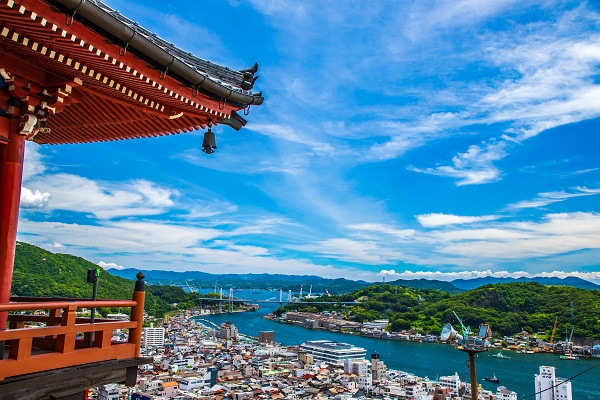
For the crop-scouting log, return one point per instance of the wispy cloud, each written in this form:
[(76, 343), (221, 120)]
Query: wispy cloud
[(440, 219), (355, 251), (544, 199), (474, 167)]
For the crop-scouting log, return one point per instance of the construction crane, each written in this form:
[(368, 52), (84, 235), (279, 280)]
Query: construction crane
[(553, 331)]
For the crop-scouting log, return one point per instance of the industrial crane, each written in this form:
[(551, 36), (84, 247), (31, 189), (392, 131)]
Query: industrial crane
[(553, 331)]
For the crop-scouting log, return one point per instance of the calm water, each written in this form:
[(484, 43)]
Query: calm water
[(426, 359)]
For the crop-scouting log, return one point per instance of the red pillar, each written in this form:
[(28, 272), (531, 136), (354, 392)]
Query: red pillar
[(11, 174)]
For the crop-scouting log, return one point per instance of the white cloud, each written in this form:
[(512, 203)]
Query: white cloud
[(105, 265), (555, 234), (35, 199), (356, 251), (102, 199), (473, 167), (546, 198), (450, 276), (440, 219), (33, 164), (385, 229)]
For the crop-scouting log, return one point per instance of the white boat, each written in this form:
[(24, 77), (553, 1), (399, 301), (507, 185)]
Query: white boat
[(500, 355)]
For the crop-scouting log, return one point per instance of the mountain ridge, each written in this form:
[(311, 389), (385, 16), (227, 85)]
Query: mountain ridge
[(337, 285), (572, 281)]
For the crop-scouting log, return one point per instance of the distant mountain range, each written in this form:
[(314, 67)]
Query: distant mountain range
[(320, 285), (468, 284)]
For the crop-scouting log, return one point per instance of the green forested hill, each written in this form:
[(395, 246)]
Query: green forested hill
[(529, 306), (508, 308), (41, 273)]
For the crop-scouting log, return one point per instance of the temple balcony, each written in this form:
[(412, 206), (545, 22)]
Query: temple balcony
[(51, 353)]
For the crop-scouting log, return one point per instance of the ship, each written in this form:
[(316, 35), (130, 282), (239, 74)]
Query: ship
[(492, 379), (500, 355), (569, 356)]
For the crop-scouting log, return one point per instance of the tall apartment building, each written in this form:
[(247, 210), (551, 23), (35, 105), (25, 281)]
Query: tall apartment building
[(266, 337), (153, 337), (378, 368), (362, 370), (549, 387), (227, 331)]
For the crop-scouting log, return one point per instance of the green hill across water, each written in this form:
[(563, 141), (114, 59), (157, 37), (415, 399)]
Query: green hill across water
[(420, 305)]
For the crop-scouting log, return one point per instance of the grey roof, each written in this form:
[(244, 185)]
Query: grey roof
[(217, 73), (216, 81)]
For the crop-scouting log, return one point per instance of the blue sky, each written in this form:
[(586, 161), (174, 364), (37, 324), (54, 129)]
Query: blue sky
[(427, 139)]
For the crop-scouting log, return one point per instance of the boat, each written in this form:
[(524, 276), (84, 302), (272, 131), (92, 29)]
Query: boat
[(492, 379), (569, 357), (500, 355)]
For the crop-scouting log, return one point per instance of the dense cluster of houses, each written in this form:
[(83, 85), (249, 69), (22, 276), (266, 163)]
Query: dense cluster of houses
[(194, 361)]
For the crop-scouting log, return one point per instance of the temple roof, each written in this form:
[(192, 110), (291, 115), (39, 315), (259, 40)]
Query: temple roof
[(103, 77)]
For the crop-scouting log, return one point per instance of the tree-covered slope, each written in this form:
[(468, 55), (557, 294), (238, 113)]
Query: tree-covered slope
[(530, 306), (39, 272), (508, 308)]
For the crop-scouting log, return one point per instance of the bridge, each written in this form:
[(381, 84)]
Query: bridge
[(290, 300), (275, 301)]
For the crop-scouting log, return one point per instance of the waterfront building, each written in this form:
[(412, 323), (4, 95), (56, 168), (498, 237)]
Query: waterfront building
[(549, 387), (333, 352), (153, 337), (227, 331), (596, 351), (380, 324)]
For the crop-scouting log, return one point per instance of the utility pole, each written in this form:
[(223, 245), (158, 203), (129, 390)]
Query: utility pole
[(92, 277)]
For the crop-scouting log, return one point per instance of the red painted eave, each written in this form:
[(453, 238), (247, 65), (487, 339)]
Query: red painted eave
[(100, 91)]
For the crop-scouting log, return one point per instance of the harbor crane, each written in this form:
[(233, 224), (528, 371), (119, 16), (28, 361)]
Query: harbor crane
[(553, 331)]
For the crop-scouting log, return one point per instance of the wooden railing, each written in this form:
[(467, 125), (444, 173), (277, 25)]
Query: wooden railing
[(64, 339)]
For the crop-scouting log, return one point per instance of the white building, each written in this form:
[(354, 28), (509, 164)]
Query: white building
[(333, 352), (153, 337), (357, 367), (108, 392), (549, 387), (452, 382), (380, 324), (502, 393), (415, 391)]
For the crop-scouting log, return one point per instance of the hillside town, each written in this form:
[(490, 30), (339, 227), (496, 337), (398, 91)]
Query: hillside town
[(191, 360)]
